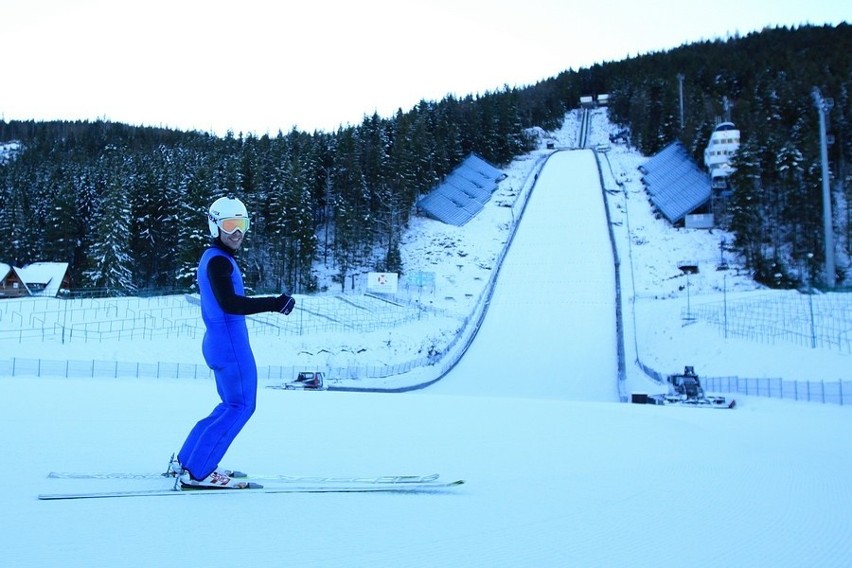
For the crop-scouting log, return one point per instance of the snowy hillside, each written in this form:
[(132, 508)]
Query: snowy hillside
[(658, 296), (556, 474)]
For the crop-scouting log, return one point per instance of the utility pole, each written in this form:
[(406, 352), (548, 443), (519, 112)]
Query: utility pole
[(823, 106), (680, 78)]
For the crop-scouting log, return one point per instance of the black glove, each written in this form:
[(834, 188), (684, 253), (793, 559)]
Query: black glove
[(285, 304)]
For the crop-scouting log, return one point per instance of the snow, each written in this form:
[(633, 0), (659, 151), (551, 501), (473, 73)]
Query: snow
[(47, 274), (558, 472)]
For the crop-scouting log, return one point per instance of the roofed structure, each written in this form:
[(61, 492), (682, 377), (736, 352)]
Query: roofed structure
[(463, 193), (676, 185), (36, 279)]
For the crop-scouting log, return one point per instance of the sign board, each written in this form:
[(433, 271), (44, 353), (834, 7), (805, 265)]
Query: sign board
[(422, 279), (382, 282), (699, 221)]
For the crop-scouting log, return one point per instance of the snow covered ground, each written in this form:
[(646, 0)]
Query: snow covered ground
[(463, 260), (557, 472)]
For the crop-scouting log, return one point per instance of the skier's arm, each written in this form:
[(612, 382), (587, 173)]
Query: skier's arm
[(219, 272)]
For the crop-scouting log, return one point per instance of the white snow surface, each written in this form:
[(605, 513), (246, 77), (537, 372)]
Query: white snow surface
[(558, 473)]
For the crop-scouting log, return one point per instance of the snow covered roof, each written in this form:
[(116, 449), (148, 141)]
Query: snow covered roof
[(5, 269), (677, 186), (42, 278), (463, 193)]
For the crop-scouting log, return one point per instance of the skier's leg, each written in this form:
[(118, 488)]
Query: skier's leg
[(210, 438), (197, 433)]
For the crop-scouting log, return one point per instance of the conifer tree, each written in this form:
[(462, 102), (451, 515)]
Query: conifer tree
[(110, 262)]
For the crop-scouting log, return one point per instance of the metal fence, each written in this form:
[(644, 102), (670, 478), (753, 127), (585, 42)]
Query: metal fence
[(824, 391), (827, 392), (18, 366), (811, 320), (94, 320), (83, 369)]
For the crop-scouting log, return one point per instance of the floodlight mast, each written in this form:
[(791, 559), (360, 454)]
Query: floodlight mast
[(823, 106)]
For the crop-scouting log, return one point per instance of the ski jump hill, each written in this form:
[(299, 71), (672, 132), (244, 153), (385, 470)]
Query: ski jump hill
[(550, 327)]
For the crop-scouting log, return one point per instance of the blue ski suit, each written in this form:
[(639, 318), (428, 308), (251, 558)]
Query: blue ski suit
[(227, 352)]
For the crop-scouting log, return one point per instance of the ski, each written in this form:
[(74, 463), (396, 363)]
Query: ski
[(384, 479), (407, 487)]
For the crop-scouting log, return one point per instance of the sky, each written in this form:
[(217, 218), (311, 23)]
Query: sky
[(258, 66), (557, 472)]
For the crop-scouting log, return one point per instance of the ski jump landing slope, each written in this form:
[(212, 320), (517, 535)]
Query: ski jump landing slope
[(550, 329)]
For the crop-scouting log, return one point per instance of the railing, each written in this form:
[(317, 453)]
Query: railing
[(82, 369), (827, 392), (810, 320), (93, 320)]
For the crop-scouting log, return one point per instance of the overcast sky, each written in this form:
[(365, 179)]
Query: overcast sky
[(264, 66)]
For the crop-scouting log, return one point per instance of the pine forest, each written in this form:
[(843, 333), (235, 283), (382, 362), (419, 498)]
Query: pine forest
[(125, 205)]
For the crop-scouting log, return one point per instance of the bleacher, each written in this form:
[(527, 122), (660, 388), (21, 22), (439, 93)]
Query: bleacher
[(463, 193), (676, 185)]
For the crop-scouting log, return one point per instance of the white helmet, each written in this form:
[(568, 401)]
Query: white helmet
[(225, 208)]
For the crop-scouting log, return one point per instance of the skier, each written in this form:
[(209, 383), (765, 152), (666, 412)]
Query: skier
[(226, 349)]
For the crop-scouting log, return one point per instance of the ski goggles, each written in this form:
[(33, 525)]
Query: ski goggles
[(231, 225)]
